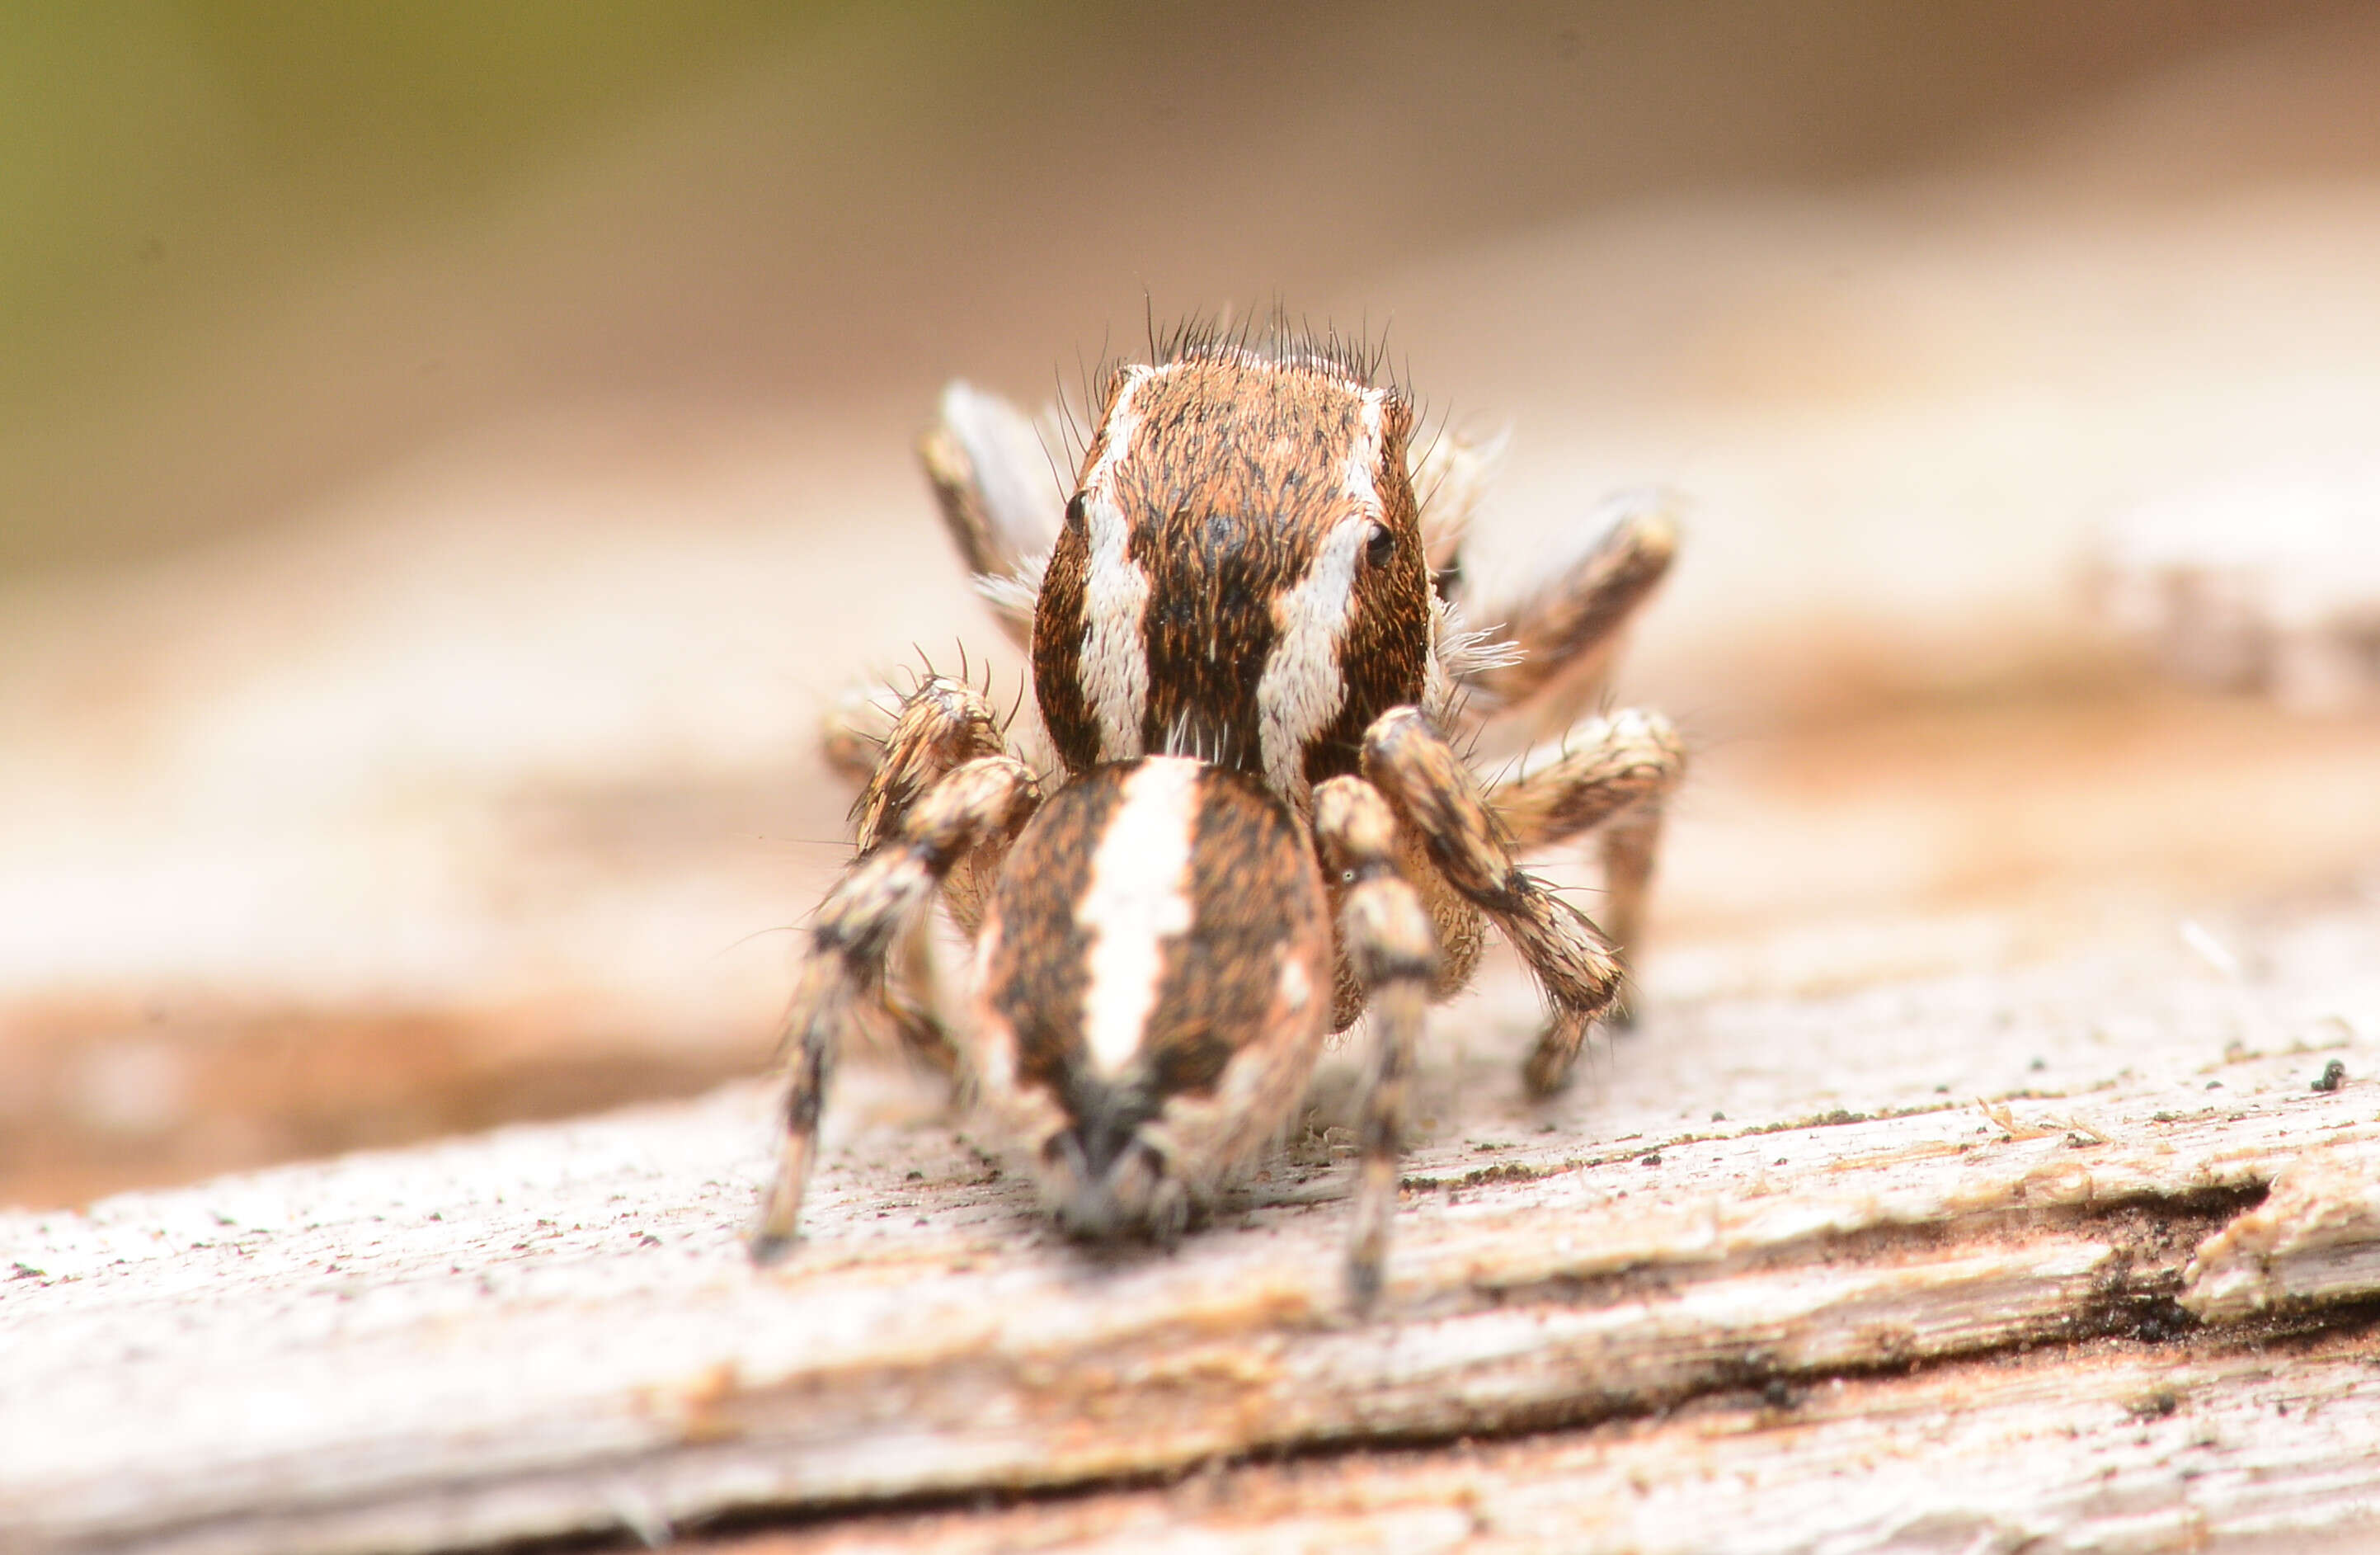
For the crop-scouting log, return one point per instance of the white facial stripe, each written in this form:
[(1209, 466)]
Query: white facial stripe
[(1114, 665), (1116, 434), (1362, 477), (1139, 897), (1301, 690)]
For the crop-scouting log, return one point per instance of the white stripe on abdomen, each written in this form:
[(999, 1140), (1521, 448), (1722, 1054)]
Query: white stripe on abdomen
[(1139, 898)]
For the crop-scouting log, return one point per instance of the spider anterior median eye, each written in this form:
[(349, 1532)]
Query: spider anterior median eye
[(1380, 547)]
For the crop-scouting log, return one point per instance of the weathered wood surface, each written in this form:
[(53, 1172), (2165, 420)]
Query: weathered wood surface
[(553, 1330), (2184, 1446)]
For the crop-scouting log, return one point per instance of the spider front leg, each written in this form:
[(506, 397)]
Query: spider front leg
[(1434, 794), (938, 727), (1392, 949), (883, 896), (1614, 774)]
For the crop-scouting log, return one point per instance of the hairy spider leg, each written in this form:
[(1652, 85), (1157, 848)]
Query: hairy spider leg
[(882, 895), (1614, 774), (1388, 941), (1433, 794), (896, 757), (1567, 630)]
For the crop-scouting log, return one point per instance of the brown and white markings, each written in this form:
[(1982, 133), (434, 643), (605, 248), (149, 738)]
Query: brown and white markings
[(1250, 673), (1155, 986)]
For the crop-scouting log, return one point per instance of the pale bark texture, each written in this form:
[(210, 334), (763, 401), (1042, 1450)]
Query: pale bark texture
[(2119, 1302)]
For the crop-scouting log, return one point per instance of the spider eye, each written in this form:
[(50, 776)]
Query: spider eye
[(1380, 547)]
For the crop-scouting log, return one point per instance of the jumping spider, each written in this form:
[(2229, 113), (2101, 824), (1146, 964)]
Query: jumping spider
[(1248, 661)]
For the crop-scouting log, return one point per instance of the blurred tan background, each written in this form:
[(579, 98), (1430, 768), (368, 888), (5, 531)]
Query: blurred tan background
[(450, 457)]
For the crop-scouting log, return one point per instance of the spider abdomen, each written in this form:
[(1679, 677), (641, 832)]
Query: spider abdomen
[(1154, 983)]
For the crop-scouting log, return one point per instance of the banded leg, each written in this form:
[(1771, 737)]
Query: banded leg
[(941, 725), (1389, 943), (1434, 794), (1566, 631), (998, 499), (1612, 773), (880, 897), (938, 727)]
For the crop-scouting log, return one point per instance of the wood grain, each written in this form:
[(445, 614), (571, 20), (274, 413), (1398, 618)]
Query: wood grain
[(2189, 1446), (553, 1330)]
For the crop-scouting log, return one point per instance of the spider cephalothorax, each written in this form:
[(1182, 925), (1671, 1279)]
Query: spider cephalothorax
[(1241, 574), (1247, 667)]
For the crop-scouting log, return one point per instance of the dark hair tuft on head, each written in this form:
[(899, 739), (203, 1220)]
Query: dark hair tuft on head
[(1272, 335)]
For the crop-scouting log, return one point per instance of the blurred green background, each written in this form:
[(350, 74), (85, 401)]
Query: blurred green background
[(450, 453), (169, 168), (249, 248)]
